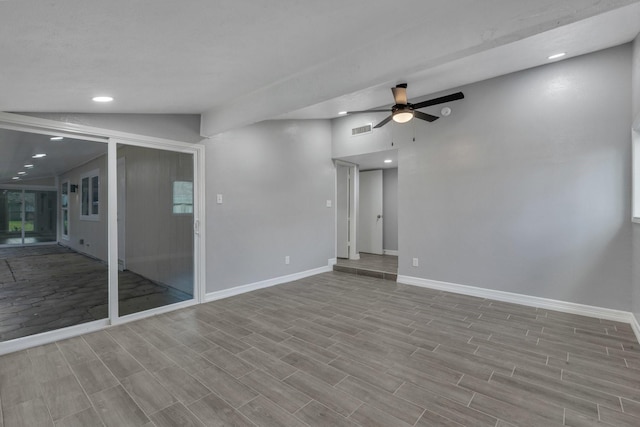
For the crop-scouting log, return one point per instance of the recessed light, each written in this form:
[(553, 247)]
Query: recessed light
[(388, 161), (342, 113), (22, 173), (29, 166), (39, 156), (557, 55), (102, 99), (56, 138), (16, 177)]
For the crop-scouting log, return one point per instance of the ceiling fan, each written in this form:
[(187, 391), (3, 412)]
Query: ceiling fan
[(403, 111)]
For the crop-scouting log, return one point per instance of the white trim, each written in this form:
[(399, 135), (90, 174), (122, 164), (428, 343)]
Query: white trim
[(333, 261), (531, 301), (393, 252), (635, 326), (51, 336), (199, 223), (226, 293), (112, 228), (355, 257), (88, 133)]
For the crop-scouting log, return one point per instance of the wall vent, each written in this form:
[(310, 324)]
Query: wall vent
[(362, 129)]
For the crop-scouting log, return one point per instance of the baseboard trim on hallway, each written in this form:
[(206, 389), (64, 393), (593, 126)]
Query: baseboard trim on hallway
[(531, 301), (393, 252), (23, 343), (237, 290)]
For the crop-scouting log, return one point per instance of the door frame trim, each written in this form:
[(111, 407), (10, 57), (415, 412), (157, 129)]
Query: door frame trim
[(354, 195)]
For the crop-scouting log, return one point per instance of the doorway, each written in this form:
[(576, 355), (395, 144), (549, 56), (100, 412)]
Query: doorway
[(373, 218)]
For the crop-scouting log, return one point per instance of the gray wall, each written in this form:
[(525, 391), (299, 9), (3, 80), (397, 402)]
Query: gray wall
[(635, 94), (525, 188), (275, 178), (390, 209)]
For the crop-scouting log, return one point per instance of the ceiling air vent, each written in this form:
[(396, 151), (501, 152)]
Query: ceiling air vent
[(362, 130)]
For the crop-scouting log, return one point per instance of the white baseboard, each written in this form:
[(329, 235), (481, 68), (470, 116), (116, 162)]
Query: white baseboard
[(356, 257), (393, 252), (226, 293), (551, 304), (333, 261)]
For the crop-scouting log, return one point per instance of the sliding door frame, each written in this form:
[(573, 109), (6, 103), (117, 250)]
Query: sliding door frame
[(112, 139), (197, 151)]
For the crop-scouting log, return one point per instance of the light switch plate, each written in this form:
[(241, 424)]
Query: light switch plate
[(328, 203)]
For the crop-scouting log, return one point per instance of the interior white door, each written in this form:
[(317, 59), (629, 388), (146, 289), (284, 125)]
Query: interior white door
[(342, 211), (370, 217)]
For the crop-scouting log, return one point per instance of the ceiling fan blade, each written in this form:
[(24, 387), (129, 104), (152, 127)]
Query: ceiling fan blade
[(382, 123), (369, 111), (400, 94), (424, 116), (441, 100)]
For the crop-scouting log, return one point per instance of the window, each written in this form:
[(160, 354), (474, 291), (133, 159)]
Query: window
[(64, 205), (90, 196), (182, 197)]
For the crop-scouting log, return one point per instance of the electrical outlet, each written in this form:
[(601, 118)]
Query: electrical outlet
[(287, 260), (415, 262), (328, 203), (219, 199)]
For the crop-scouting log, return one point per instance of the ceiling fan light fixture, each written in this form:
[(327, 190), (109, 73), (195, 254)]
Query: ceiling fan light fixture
[(402, 115)]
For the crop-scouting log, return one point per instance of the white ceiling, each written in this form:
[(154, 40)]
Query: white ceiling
[(375, 160), (243, 61)]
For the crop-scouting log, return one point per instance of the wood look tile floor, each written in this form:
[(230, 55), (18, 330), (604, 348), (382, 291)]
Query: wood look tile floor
[(333, 350), (43, 288)]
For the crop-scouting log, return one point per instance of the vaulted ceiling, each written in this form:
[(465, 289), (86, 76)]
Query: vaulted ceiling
[(242, 61)]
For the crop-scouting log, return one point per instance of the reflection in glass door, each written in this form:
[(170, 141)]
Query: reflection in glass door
[(11, 231), (156, 228), (27, 217)]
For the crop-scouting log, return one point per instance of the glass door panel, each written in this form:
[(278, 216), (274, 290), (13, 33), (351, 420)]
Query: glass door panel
[(48, 285), (155, 228)]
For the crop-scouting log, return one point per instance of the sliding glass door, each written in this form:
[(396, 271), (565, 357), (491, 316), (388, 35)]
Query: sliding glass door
[(155, 228), (93, 231), (27, 217)]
